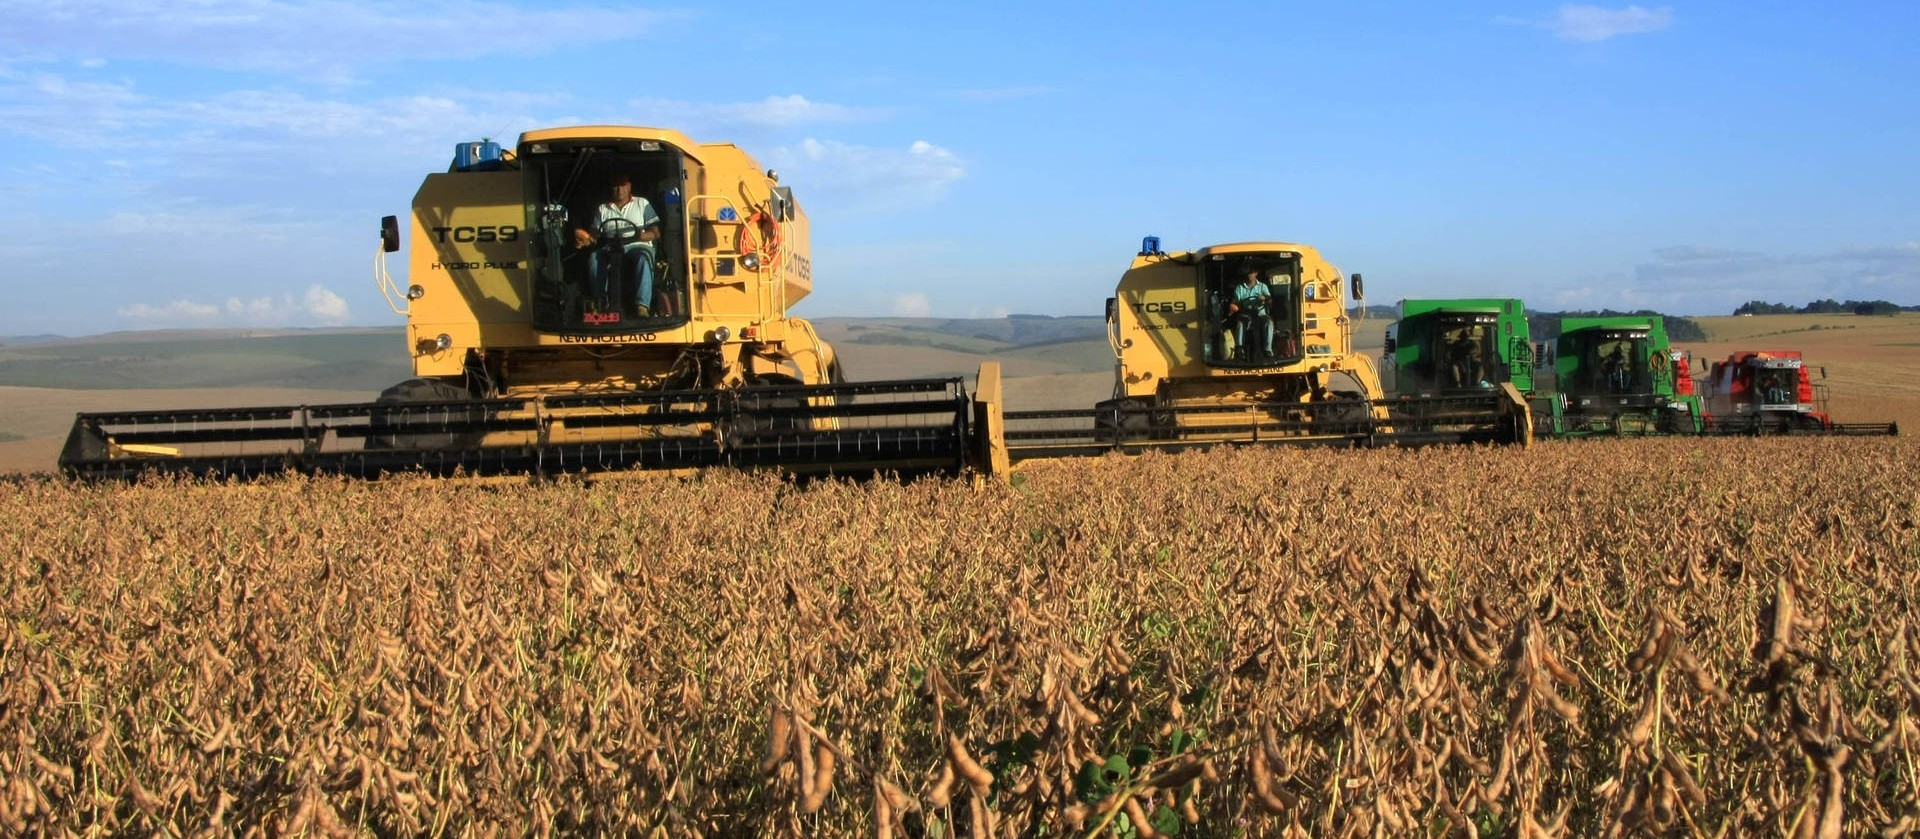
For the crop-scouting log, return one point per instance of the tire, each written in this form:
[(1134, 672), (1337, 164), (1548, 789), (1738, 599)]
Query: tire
[(752, 422), (1134, 426), (414, 392)]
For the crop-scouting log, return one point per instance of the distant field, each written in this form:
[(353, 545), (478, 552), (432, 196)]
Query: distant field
[(1049, 362), (1871, 363), (1872, 366), (344, 359), (38, 418)]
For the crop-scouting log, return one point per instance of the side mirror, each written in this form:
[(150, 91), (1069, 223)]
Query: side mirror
[(782, 200), (1392, 345), (1113, 309), (389, 233), (1358, 293)]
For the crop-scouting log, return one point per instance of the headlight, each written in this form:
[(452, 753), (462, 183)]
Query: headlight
[(721, 334), (415, 292), (442, 341), (750, 261)]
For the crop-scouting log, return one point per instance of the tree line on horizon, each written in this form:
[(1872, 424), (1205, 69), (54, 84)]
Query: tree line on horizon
[(1545, 326), (1825, 307)]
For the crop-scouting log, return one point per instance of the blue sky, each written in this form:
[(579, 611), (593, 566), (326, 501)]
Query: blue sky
[(225, 162)]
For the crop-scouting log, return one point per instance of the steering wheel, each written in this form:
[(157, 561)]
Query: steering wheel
[(618, 228)]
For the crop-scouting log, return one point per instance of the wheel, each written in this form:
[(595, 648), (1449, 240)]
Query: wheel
[(763, 414), (1124, 421), (396, 411)]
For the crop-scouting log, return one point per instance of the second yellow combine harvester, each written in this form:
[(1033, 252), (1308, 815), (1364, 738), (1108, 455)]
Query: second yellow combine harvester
[(1250, 343)]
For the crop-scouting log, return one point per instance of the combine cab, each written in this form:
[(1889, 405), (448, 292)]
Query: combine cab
[(1249, 343), (1620, 375), (1451, 348), (1772, 392), (594, 298)]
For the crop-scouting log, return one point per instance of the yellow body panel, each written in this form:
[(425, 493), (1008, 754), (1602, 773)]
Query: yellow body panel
[(1162, 327), (474, 265)]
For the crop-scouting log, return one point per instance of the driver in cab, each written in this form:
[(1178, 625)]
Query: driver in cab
[(1249, 309), (631, 222)]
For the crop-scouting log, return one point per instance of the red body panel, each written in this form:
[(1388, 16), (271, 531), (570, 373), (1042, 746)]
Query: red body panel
[(1733, 387)]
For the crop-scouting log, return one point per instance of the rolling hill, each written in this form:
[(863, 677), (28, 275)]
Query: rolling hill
[(1872, 365)]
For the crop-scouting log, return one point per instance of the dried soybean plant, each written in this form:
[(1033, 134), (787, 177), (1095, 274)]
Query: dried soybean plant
[(1616, 638)]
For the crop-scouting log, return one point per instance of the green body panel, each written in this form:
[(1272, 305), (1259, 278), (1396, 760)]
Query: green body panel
[(1430, 357), (1615, 375), (1442, 346)]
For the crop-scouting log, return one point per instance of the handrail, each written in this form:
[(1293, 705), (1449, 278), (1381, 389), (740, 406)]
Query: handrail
[(383, 281)]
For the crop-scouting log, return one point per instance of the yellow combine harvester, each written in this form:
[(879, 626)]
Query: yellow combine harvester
[(1249, 343), (594, 298)]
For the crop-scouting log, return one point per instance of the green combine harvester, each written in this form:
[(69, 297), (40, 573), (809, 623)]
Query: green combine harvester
[(1601, 375), (1620, 375), (1446, 347)]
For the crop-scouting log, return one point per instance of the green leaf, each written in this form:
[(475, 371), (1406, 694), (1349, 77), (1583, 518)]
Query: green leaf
[(1198, 695), (1165, 820), (1139, 756), (1091, 784)]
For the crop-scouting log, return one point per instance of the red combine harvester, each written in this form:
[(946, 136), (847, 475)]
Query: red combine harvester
[(1772, 392)]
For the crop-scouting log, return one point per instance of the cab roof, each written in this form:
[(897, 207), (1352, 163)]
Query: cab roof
[(665, 136)]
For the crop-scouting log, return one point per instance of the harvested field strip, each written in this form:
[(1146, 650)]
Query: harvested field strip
[(1635, 637)]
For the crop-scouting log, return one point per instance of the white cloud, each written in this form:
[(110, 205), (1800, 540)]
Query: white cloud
[(1582, 22), (731, 117), (60, 110), (319, 306), (100, 114), (253, 225), (1711, 280), (912, 305), (131, 146), (1702, 280), (260, 129), (317, 39), (871, 179), (794, 109), (325, 306), (175, 313)]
